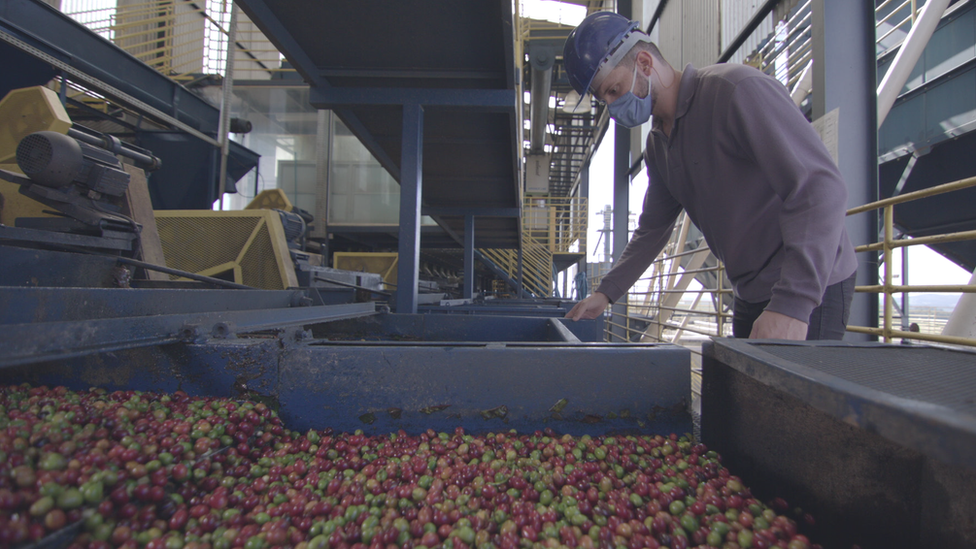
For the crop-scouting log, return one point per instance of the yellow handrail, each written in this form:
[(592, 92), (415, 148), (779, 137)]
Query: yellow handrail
[(889, 243)]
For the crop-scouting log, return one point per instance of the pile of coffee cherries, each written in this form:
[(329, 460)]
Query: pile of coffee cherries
[(130, 469)]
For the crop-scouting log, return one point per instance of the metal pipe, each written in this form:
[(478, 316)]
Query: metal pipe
[(184, 274), (927, 288), (931, 191), (936, 239), (144, 159), (228, 93), (541, 60), (908, 55)]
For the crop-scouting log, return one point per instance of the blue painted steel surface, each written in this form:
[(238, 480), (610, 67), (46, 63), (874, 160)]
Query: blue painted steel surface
[(460, 328), (481, 387), (483, 212), (844, 79), (36, 342), (468, 292), (227, 369), (411, 193), (479, 100), (20, 305), (32, 267), (621, 221), (441, 387)]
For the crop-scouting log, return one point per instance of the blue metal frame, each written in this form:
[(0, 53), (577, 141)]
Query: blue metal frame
[(844, 78), (36, 342), (385, 387), (468, 292), (411, 191), (470, 99), (480, 212), (621, 217)]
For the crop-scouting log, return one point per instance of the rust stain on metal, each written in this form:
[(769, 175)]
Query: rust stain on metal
[(431, 409)]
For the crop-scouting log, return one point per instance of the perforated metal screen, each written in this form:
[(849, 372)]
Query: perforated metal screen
[(236, 246), (938, 376)]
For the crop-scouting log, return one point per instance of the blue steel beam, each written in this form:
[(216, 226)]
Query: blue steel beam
[(480, 212), (43, 341), (470, 99), (468, 256), (621, 197), (411, 191), (845, 78)]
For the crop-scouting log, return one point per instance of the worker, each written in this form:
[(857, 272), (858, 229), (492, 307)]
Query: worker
[(729, 146)]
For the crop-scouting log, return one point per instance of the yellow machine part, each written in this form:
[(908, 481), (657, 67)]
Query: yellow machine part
[(381, 263), (25, 111), (271, 199), (247, 246)]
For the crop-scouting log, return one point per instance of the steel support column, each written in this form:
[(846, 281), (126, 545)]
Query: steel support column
[(845, 79), (621, 217), (621, 201), (584, 191), (468, 256), (411, 190)]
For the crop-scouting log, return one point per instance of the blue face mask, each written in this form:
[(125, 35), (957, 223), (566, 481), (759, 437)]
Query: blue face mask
[(629, 110)]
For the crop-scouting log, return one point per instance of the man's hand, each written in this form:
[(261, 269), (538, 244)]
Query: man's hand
[(590, 307), (772, 325)]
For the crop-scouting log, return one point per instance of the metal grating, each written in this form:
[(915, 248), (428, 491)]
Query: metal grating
[(259, 265), (247, 244), (199, 243), (936, 376)]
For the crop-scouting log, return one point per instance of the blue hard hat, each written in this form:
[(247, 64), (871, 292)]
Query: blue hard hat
[(591, 43)]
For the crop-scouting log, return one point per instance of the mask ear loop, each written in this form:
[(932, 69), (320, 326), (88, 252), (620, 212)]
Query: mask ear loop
[(659, 79)]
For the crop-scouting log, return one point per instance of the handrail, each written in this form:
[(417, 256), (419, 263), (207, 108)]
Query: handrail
[(889, 243), (661, 283), (165, 26)]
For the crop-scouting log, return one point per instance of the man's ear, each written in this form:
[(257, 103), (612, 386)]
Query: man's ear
[(645, 61)]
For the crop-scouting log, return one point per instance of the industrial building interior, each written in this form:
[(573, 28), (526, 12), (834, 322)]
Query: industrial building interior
[(371, 218)]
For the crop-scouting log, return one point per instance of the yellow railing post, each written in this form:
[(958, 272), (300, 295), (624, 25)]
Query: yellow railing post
[(720, 302), (888, 219)]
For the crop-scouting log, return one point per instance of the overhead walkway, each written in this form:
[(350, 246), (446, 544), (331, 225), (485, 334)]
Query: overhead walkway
[(430, 88), (39, 43)]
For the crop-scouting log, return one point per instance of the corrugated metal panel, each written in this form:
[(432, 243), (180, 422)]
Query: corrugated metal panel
[(700, 40), (735, 15), (670, 33)]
